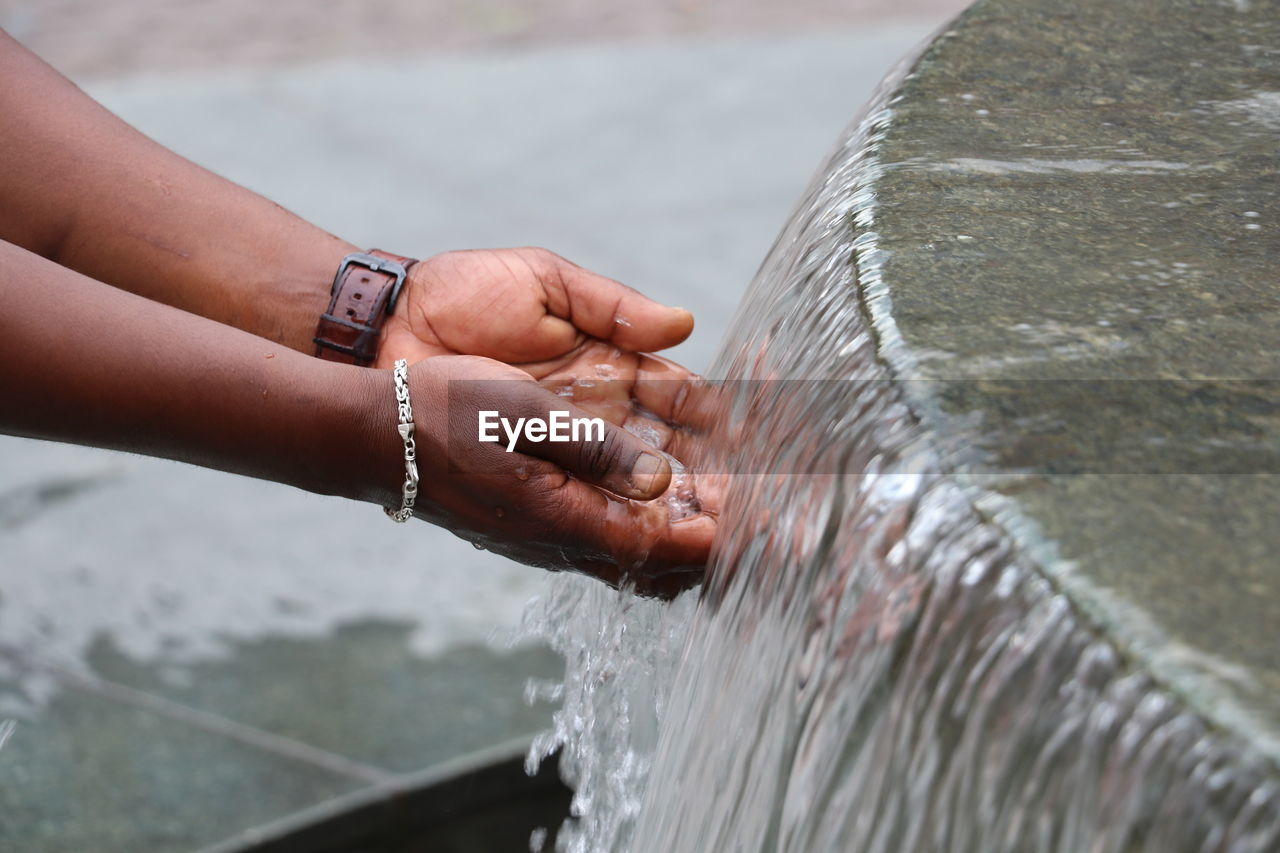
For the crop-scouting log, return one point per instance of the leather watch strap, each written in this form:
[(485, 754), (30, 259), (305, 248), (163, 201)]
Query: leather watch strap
[(364, 294)]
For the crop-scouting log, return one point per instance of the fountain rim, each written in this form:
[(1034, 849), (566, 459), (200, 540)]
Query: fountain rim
[(1131, 632)]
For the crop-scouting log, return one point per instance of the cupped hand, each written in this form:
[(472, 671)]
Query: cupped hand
[(518, 306), (599, 507), (662, 403), (522, 331)]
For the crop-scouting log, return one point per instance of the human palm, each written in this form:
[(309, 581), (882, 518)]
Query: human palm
[(520, 306), (531, 315), (584, 336)]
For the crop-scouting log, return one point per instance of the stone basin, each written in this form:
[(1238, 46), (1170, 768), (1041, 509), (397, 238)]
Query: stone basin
[(1079, 227), (1000, 571)]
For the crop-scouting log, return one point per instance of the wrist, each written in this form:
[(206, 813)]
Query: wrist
[(298, 294), (365, 293), (340, 430), (369, 463)]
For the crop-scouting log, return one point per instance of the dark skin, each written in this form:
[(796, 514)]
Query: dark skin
[(163, 310)]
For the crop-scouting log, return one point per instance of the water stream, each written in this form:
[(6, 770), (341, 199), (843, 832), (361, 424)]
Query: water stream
[(871, 665)]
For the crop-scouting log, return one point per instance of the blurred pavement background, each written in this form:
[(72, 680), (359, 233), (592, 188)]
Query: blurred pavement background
[(190, 653), (96, 37)]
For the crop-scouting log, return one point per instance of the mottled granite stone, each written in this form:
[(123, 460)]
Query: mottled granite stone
[(1089, 191)]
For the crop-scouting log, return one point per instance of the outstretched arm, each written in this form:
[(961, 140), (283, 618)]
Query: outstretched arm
[(84, 189), (85, 362), (91, 364)]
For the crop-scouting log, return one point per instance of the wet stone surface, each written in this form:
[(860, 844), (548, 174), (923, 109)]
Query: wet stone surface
[(1081, 229)]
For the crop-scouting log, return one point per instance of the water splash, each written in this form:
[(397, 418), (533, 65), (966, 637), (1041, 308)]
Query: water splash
[(872, 664), (621, 654)]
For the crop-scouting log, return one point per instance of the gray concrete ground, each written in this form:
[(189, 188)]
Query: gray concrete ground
[(191, 653)]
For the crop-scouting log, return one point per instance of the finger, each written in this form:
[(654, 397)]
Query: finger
[(608, 538), (598, 379), (605, 309), (654, 432), (686, 544), (671, 392), (636, 544), (594, 450)]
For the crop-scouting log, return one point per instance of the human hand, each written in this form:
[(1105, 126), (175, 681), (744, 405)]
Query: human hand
[(520, 306), (662, 403), (582, 336), (586, 506)]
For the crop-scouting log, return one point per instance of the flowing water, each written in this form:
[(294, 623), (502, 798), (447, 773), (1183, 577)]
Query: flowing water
[(871, 665)]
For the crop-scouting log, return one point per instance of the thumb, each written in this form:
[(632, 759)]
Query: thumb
[(588, 447), (611, 311)]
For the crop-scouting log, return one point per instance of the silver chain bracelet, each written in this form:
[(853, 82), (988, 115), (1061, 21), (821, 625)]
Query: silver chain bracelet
[(409, 493)]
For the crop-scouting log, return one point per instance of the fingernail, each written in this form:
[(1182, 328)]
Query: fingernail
[(646, 471)]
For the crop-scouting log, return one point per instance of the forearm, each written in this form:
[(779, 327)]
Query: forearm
[(84, 362), (82, 188)]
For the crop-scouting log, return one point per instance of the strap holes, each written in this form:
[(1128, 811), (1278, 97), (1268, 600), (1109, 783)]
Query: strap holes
[(351, 312), (364, 279), (358, 295)]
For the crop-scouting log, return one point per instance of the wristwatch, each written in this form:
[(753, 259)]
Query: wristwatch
[(364, 294)]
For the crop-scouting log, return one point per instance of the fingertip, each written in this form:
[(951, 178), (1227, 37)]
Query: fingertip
[(682, 324), (656, 328), (649, 477)]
